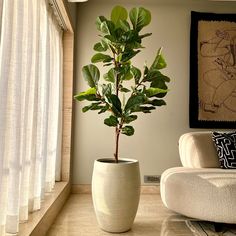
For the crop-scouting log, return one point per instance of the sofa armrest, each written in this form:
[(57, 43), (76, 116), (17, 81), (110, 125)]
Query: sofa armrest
[(197, 150)]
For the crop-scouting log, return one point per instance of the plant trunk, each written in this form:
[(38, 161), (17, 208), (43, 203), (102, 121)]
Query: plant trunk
[(116, 154)]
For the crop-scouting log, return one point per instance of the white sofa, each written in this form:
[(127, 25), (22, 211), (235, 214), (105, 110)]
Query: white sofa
[(200, 189)]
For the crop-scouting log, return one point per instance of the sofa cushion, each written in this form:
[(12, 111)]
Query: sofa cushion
[(226, 147), (202, 193), (197, 150)]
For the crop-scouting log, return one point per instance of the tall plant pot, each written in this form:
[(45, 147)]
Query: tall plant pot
[(116, 192)]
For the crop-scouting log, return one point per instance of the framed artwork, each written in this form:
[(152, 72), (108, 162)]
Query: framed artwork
[(212, 70)]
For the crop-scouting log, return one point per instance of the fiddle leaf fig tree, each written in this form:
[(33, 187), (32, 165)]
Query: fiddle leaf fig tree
[(123, 90)]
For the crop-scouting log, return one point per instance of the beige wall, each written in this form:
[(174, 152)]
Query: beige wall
[(72, 8), (155, 143)]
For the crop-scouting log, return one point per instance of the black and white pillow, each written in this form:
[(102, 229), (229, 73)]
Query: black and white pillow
[(226, 148)]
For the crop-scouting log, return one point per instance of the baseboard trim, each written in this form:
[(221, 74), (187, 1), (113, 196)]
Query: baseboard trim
[(86, 189)]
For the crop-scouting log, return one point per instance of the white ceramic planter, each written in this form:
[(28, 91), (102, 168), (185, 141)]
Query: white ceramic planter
[(116, 192)]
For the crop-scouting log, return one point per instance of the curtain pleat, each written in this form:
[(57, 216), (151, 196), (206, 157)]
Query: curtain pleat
[(6, 40), (30, 108), (60, 114)]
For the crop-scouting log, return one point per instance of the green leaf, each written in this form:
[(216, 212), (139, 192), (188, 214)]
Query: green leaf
[(118, 13), (91, 74), (89, 95), (159, 62), (156, 75), (127, 55), (93, 106), (128, 130), (125, 90), (111, 38), (130, 37), (111, 121), (106, 89), (100, 47), (99, 21), (133, 101), (145, 70), (110, 76), (124, 72), (145, 35), (107, 64), (151, 75), (157, 102), (108, 27), (100, 57), (129, 119), (144, 109), (116, 104), (139, 17), (104, 109), (136, 74), (153, 91), (124, 25), (127, 76), (159, 83)]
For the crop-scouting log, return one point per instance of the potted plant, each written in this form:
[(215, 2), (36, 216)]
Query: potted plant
[(123, 92)]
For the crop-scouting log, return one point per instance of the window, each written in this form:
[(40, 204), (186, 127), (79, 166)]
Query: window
[(31, 100)]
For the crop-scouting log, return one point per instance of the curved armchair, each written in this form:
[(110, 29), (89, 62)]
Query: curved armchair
[(200, 189)]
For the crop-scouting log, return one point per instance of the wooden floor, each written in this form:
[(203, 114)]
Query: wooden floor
[(77, 218)]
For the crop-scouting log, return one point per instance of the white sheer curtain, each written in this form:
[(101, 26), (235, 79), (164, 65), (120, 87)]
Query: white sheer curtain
[(30, 108)]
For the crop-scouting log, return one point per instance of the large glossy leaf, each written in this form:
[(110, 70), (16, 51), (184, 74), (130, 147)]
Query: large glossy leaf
[(136, 74), (91, 74), (100, 57), (124, 25), (108, 27), (128, 130), (104, 109), (133, 101), (99, 21), (118, 13), (110, 76), (89, 95), (139, 17), (124, 72), (111, 121), (151, 75), (159, 83), (153, 91), (116, 104), (131, 36), (144, 109), (127, 76), (125, 90), (93, 106), (101, 46), (111, 38), (146, 70), (127, 55), (157, 102), (106, 89), (159, 62), (130, 118), (156, 75)]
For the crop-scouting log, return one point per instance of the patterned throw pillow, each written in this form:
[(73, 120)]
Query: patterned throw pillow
[(226, 148)]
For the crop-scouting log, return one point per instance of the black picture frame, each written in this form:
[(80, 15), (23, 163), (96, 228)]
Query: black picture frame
[(196, 106)]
